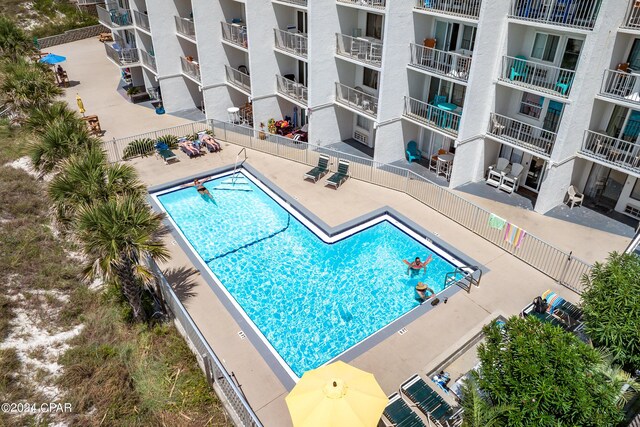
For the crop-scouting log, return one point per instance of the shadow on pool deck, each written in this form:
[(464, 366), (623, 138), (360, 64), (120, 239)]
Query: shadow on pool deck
[(182, 280), (483, 190), (613, 222)]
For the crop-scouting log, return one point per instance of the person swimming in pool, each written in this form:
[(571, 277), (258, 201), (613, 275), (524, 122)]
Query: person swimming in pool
[(414, 267), (421, 290), (202, 190)]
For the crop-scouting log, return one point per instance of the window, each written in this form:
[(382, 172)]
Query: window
[(545, 46), (531, 105), (363, 123), (571, 54), (374, 26), (370, 78), (457, 97), (634, 55), (468, 38)]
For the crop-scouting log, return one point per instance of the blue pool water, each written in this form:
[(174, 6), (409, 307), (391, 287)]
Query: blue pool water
[(311, 300)]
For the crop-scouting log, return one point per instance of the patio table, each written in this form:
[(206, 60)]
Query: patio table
[(445, 121)]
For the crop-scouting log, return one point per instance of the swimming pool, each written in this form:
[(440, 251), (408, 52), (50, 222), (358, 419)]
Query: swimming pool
[(309, 295)]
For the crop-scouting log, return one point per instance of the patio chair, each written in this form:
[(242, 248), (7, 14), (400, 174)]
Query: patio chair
[(519, 69), (510, 181), (426, 399), (164, 152), (412, 151), (399, 414), (497, 171), (338, 178), (496, 127), (564, 84), (574, 198), (319, 171)]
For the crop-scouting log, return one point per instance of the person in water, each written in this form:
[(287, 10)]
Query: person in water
[(421, 290), (417, 265), (202, 190)]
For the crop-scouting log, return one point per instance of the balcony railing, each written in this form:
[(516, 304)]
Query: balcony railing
[(234, 33), (295, 43), (122, 56), (186, 27), (292, 89), (455, 65), (521, 134), (142, 20), (378, 4), (148, 60), (430, 115), (621, 85), (357, 99), (191, 69), (362, 49), (633, 17), (611, 151), (115, 18), (464, 8), (296, 2), (576, 14), (238, 78), (533, 75)]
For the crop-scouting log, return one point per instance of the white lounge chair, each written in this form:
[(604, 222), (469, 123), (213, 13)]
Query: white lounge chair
[(496, 172), (510, 181), (574, 197)]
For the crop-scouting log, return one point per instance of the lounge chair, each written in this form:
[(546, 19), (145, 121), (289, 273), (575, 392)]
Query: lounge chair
[(427, 399), (338, 178), (399, 414), (412, 151), (497, 171), (319, 171), (209, 142), (164, 152), (189, 149), (558, 312)]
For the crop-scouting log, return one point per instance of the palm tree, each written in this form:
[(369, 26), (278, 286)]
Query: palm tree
[(42, 118), (14, 43), (25, 86), (85, 178), (58, 142), (478, 412), (118, 235), (620, 380)]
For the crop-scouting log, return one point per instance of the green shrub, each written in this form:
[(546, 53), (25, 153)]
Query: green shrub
[(139, 147), (170, 140)]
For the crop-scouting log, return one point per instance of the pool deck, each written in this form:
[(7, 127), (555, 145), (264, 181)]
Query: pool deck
[(509, 285)]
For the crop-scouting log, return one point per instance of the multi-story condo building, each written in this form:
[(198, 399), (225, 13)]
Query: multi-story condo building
[(551, 85)]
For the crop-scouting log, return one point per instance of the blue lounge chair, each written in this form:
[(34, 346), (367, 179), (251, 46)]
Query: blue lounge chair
[(164, 152), (338, 178), (519, 69), (399, 413), (412, 151)]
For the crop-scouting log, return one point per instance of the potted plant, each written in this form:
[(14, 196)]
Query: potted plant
[(131, 91), (262, 134), (271, 125)]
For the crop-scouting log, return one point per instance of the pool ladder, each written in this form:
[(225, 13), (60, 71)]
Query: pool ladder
[(463, 278), (237, 181)]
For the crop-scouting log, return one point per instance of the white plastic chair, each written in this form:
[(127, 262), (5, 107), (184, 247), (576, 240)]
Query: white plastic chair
[(496, 172), (574, 197), (510, 182)]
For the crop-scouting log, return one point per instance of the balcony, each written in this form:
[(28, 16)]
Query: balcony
[(302, 3), (621, 85), (463, 8), (293, 43), (142, 20), (122, 57), (432, 116), (114, 19), (376, 4), (235, 34), (186, 28), (238, 79), (148, 60), (611, 151), (564, 13), (522, 135), (533, 75), (190, 69), (356, 99), (361, 49), (632, 21), (450, 64), (291, 89)]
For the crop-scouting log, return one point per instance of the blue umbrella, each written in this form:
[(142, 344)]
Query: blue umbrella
[(52, 59)]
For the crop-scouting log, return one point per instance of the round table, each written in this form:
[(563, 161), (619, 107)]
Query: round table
[(444, 162), (233, 113)]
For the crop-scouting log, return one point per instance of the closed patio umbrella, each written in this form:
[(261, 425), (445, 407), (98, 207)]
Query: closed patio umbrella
[(336, 395), (80, 104)]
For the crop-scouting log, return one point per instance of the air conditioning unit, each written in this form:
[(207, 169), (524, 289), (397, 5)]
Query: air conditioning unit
[(361, 137)]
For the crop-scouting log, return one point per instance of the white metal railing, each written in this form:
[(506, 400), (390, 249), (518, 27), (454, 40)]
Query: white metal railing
[(521, 134), (464, 8), (546, 78), (190, 68), (292, 89), (148, 60), (621, 85), (122, 56), (142, 20), (234, 33), (357, 99), (185, 27), (296, 2), (431, 115), (633, 17), (612, 151), (113, 18), (363, 49), (238, 78), (378, 4), (576, 14), (296, 43), (452, 64)]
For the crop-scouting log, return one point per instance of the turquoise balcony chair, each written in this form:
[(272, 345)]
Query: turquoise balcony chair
[(519, 69), (412, 151), (564, 84)]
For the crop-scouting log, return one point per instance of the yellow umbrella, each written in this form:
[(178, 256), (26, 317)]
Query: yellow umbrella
[(80, 104), (336, 395)]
